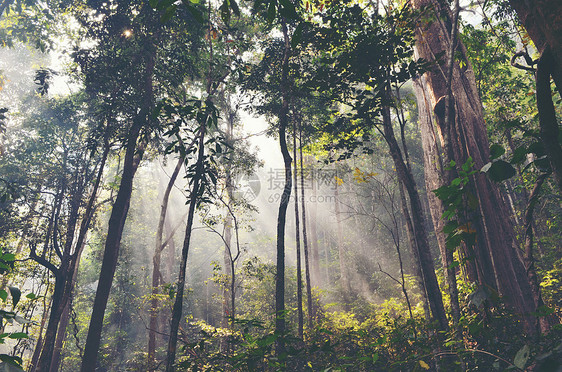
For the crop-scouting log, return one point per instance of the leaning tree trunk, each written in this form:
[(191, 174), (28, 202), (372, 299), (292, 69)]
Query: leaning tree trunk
[(133, 156), (405, 176), (112, 245), (499, 267)]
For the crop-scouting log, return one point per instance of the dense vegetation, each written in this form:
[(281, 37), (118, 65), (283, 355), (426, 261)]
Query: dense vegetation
[(280, 185)]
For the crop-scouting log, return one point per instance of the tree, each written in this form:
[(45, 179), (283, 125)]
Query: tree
[(498, 266)]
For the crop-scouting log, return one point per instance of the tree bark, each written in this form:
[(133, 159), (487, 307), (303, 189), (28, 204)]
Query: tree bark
[(414, 248), (499, 267)]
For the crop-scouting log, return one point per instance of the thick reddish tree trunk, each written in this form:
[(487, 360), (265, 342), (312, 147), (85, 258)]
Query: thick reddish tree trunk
[(498, 265)]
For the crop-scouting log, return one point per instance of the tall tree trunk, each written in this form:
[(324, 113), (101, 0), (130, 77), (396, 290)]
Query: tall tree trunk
[(498, 264), (133, 156), (426, 261), (310, 306), (549, 126), (156, 274), (413, 246), (112, 245), (297, 236), (282, 214), (74, 262), (180, 286), (59, 297)]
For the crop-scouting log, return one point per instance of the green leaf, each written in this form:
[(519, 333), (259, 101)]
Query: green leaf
[(225, 11), (297, 35), (18, 335), (287, 9), (10, 363), (3, 295), (519, 154), (196, 13), (499, 170), (16, 295), (271, 11), (522, 357), (496, 151), (168, 14), (536, 148), (153, 3), (9, 257), (234, 7)]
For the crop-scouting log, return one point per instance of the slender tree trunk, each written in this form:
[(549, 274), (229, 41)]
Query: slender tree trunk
[(74, 261), (133, 156), (156, 274), (62, 275), (180, 286), (39, 344), (426, 261), (64, 320), (413, 245), (315, 262), (112, 245), (494, 252), (282, 214), (297, 236), (310, 306), (549, 126)]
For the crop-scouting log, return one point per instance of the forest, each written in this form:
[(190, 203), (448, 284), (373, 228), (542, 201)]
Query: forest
[(334, 185)]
